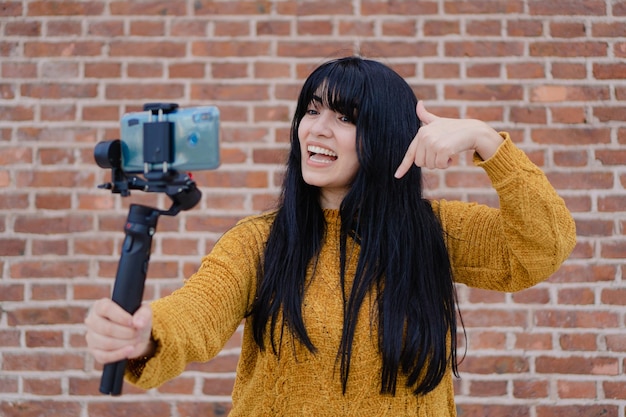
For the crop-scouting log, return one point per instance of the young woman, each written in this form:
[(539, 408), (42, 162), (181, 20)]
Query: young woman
[(347, 288)]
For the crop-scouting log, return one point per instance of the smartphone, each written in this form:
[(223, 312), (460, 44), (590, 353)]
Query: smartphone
[(194, 139)]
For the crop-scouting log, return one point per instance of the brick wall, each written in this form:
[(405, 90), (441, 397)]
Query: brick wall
[(553, 73)]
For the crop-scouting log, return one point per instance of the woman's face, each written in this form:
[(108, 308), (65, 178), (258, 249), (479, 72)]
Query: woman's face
[(328, 146)]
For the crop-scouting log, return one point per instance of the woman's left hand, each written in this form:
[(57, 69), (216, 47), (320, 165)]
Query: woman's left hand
[(440, 138)]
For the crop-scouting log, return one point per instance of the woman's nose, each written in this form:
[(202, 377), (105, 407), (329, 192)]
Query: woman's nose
[(321, 125)]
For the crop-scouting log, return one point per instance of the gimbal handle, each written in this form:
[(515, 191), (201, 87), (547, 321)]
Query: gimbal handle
[(130, 279)]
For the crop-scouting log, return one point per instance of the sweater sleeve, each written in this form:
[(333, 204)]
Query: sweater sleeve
[(518, 245), (195, 321)]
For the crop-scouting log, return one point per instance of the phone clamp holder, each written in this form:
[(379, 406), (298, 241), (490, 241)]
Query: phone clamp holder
[(142, 221)]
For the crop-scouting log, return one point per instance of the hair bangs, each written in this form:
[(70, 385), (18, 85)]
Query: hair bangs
[(339, 87)]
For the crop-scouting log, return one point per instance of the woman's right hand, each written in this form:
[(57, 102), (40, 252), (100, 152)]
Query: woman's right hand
[(114, 334)]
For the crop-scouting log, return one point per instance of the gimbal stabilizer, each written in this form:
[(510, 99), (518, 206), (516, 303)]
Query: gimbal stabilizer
[(141, 223)]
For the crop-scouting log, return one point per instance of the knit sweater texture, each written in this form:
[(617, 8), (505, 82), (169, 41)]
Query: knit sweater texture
[(506, 249)]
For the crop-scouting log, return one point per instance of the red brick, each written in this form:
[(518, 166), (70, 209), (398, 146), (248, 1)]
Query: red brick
[(11, 8), (314, 27), (213, 224), (49, 247), (576, 319), (568, 49), (40, 386), (613, 296), (483, 49), (527, 114), (11, 292), (159, 49), (524, 28), (576, 296), (441, 27), (577, 365), (613, 250), (16, 113), (571, 136), (484, 388), (525, 70), (147, 28), (217, 386), (609, 29), (49, 269), (23, 29), (615, 390), (492, 317), (154, 408), (181, 247), (567, 29), (273, 27), (141, 93), (187, 70), (576, 389), (18, 70), (36, 361), (196, 408), (486, 340), (530, 389), (583, 8), (611, 157), (569, 115), (229, 92), (566, 70), (483, 7), (483, 27), (229, 48), (63, 28), (399, 28), (83, 386), (481, 410), (404, 8), (180, 385), (571, 158), (483, 92), (46, 315), (616, 342), (611, 203), (106, 28), (535, 295), (441, 70), (533, 341), (8, 385), (39, 407), (145, 70), (577, 410), (103, 70), (153, 7), (36, 49)]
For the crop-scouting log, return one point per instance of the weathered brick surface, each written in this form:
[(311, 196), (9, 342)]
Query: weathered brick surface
[(553, 73)]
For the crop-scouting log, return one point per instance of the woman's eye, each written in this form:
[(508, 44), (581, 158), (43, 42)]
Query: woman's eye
[(345, 119)]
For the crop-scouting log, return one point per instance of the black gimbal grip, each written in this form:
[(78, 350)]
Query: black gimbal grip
[(130, 280)]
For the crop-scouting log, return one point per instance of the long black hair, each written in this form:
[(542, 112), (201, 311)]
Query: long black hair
[(402, 257)]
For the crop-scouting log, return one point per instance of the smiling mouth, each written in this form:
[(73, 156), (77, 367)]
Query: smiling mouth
[(322, 155)]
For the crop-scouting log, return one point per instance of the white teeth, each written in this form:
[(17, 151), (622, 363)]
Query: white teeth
[(320, 150)]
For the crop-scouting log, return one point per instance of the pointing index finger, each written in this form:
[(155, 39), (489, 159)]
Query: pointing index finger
[(407, 161)]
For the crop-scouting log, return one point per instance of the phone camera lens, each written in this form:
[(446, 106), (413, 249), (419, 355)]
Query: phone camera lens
[(192, 140)]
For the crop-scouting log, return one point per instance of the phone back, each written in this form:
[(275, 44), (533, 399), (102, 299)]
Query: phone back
[(195, 139)]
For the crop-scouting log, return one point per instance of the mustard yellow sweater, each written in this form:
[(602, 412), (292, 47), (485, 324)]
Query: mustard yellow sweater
[(509, 249)]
